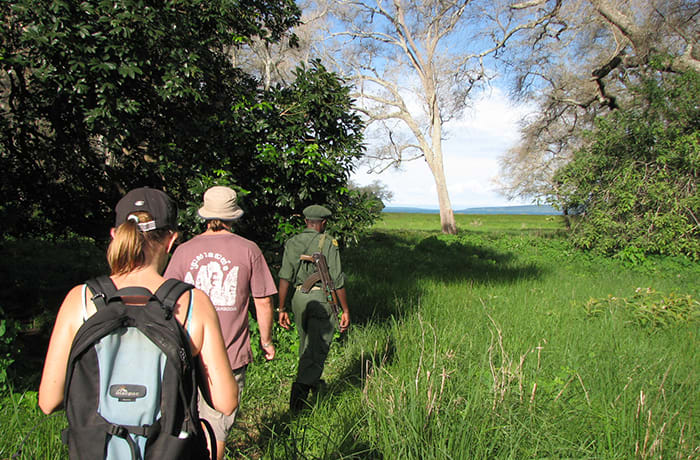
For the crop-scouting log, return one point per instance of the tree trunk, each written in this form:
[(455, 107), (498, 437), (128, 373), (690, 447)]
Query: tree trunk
[(447, 217), (434, 158), (567, 219)]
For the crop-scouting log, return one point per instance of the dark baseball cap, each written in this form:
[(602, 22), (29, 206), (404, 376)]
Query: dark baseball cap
[(155, 202)]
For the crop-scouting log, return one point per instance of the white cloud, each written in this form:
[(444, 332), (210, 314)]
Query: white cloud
[(471, 150)]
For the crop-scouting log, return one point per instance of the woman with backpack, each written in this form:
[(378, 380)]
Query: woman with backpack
[(144, 234)]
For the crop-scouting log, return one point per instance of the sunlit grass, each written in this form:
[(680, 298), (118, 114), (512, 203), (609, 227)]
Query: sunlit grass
[(26, 432), (480, 345), (471, 222)]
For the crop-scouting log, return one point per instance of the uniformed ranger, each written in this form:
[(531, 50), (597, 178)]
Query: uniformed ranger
[(312, 311)]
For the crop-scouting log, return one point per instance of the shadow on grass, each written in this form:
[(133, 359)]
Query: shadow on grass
[(287, 436), (280, 434), (386, 273)]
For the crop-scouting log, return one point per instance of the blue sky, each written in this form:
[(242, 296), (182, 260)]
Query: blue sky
[(471, 151)]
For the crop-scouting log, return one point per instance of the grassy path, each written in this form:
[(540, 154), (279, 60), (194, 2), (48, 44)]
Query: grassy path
[(487, 345), (499, 342)]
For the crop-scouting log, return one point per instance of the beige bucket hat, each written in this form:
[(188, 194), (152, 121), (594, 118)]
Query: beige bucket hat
[(220, 203)]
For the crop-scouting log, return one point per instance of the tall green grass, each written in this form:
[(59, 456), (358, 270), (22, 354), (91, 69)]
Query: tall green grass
[(480, 345), (500, 342), (26, 432)]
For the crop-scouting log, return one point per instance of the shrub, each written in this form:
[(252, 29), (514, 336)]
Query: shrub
[(637, 181), (649, 308), (8, 350)]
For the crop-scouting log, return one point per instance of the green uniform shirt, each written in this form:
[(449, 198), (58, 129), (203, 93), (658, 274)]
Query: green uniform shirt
[(307, 242)]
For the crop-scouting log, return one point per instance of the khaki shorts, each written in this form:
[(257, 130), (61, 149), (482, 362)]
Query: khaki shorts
[(220, 423)]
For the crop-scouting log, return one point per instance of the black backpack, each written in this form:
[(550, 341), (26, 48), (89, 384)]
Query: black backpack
[(131, 390)]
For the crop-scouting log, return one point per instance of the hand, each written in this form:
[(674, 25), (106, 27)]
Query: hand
[(344, 321), (269, 350), (284, 320)]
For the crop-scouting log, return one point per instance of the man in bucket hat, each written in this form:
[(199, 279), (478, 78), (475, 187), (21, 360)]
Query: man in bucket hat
[(229, 268), (313, 314)]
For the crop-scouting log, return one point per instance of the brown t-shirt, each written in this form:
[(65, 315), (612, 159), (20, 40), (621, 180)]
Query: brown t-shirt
[(229, 269)]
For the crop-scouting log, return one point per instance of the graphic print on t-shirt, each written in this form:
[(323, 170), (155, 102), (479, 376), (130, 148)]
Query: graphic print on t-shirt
[(212, 273)]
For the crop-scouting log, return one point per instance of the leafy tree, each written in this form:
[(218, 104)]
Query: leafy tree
[(101, 96), (304, 139), (377, 190), (637, 181)]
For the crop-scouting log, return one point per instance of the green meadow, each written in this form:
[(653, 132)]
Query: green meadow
[(472, 223), (502, 341)]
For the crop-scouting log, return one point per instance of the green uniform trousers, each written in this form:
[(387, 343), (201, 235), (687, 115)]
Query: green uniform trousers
[(315, 325)]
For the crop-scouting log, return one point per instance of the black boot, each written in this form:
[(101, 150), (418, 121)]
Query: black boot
[(298, 398)]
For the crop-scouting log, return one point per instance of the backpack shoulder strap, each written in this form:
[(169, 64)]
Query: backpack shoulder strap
[(169, 292), (102, 289)]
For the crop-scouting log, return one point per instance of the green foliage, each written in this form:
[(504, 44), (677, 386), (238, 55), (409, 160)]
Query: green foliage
[(61, 263), (359, 208), (649, 308), (27, 432), (36, 274), (307, 138), (285, 341), (377, 191), (104, 96), (637, 182), (8, 349), (353, 214), (475, 331)]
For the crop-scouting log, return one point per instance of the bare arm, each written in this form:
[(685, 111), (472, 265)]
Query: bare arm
[(282, 290), (345, 317), (53, 377), (263, 311), (218, 377)]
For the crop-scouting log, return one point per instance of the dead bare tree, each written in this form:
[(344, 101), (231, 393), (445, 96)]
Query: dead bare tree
[(579, 67), (415, 65)]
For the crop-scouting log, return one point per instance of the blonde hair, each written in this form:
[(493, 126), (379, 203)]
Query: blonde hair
[(131, 246)]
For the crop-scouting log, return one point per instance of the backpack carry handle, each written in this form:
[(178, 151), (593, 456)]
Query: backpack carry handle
[(127, 294), (104, 291)]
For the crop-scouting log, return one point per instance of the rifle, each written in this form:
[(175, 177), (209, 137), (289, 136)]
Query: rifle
[(323, 275)]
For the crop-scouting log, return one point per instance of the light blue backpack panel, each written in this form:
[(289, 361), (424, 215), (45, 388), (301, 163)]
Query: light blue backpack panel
[(131, 369)]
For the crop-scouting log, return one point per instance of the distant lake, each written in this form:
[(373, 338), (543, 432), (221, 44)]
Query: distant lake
[(529, 210)]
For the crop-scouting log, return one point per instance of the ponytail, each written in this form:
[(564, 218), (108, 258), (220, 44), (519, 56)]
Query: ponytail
[(217, 225), (130, 245)]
